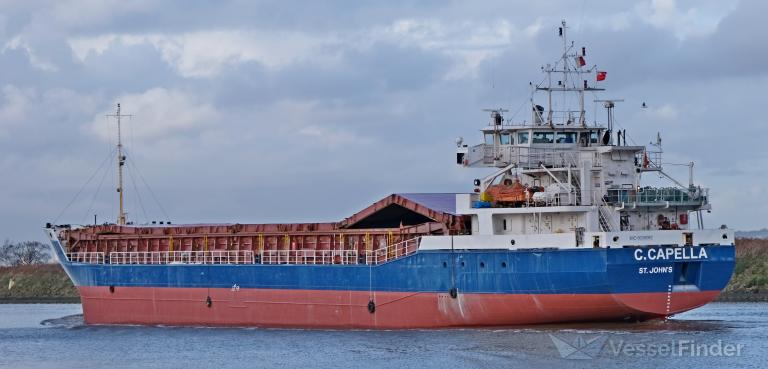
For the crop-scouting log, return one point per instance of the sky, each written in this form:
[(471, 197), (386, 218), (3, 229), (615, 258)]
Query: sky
[(286, 111)]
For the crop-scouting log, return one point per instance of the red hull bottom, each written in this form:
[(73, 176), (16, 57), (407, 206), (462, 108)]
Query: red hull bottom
[(349, 309)]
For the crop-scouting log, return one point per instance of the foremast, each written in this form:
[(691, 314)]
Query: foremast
[(121, 218)]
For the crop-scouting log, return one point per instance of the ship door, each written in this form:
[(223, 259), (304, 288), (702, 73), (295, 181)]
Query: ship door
[(579, 236), (688, 238)]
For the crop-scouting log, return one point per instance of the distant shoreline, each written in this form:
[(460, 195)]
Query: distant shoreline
[(39, 300), (742, 297)]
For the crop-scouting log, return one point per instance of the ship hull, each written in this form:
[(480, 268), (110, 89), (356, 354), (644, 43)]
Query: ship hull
[(428, 289), (349, 309)]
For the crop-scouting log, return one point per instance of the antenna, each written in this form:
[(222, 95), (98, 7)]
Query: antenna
[(570, 82), (609, 105), (120, 164)]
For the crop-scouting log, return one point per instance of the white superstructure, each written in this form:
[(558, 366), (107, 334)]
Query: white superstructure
[(557, 174)]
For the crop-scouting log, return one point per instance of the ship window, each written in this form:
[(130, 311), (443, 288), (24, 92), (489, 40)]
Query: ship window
[(590, 137), (543, 137), (489, 138), (566, 137), (522, 138), (504, 224), (506, 139)]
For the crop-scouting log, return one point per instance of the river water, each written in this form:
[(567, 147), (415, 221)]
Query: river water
[(733, 335)]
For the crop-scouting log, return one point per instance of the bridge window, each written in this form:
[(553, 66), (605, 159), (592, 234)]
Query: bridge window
[(489, 139), (506, 139), (543, 137), (590, 137), (522, 138), (566, 137)]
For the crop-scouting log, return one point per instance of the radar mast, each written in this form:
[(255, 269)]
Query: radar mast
[(121, 220)]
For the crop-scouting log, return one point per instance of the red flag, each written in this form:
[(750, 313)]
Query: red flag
[(601, 75), (580, 62)]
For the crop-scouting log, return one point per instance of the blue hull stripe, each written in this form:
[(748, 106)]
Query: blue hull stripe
[(576, 271)]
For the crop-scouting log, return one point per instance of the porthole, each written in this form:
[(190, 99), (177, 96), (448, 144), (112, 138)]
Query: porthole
[(615, 238)]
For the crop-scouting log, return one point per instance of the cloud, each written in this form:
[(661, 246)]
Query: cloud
[(14, 106), (159, 114), (665, 112), (19, 43), (468, 42), (696, 21), (332, 138), (206, 53), (88, 13)]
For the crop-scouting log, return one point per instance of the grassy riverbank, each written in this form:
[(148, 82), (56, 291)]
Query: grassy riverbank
[(48, 282), (36, 284), (750, 277)]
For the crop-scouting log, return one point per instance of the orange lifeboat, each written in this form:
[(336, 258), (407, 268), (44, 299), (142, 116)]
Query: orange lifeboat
[(508, 192)]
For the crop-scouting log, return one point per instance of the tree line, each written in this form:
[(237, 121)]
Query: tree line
[(24, 253)]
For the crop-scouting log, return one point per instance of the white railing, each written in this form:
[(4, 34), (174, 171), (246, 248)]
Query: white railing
[(393, 251), (658, 195), (304, 257), (526, 157), (181, 257), (85, 257), (648, 160), (475, 154), (605, 213), (308, 257), (311, 257)]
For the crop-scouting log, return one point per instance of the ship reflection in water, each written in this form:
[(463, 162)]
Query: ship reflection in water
[(62, 341)]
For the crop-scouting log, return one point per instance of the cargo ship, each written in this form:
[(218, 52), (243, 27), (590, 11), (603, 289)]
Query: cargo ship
[(562, 229)]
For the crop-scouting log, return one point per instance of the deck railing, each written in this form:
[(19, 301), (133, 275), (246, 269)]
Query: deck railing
[(650, 195), (181, 257), (85, 257), (523, 156), (303, 257), (393, 251), (308, 257)]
